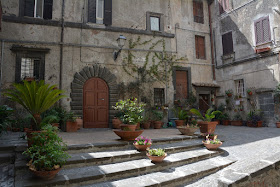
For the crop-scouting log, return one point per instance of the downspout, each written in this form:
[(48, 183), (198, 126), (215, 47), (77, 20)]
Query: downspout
[(211, 39), (1, 67), (61, 47)]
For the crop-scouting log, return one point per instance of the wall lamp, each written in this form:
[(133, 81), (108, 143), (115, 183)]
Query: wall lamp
[(121, 41)]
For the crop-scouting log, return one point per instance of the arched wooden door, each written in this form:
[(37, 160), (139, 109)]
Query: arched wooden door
[(96, 104)]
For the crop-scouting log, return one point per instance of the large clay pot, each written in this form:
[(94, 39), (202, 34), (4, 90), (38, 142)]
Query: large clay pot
[(71, 126), (225, 122), (207, 127), (156, 158), (116, 123), (187, 130), (179, 122), (128, 127), (141, 147), (138, 126), (278, 124), (79, 123), (157, 124), (128, 135), (212, 146), (146, 125), (236, 123), (46, 175)]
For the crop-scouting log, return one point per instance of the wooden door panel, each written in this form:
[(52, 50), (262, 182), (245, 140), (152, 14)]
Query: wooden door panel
[(181, 84), (101, 115), (101, 99), (90, 99)]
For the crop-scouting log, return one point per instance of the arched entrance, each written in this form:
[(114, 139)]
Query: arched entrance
[(96, 103)]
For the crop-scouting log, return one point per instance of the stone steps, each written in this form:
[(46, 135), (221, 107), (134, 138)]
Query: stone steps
[(116, 171)]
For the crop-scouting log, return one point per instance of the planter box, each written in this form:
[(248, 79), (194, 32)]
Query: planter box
[(71, 126), (225, 122), (236, 123), (250, 124)]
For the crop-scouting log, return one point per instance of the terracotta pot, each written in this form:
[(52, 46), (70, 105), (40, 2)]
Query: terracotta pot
[(212, 146), (55, 125), (128, 135), (278, 124), (236, 123), (179, 122), (116, 123), (79, 123), (225, 122), (229, 95), (146, 125), (250, 93), (142, 147), (250, 124), (138, 126), (126, 126), (187, 130), (157, 158), (47, 175), (157, 124), (71, 126), (29, 135), (219, 122), (207, 127)]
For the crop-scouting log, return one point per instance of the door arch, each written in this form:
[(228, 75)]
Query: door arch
[(95, 103)]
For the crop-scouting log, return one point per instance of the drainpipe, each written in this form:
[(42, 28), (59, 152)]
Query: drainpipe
[(211, 39), (1, 67), (61, 47)]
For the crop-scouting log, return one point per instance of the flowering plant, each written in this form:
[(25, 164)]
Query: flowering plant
[(143, 141), (156, 152), (215, 141)]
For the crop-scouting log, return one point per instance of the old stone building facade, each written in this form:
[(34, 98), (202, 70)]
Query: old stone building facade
[(246, 43), (71, 44)]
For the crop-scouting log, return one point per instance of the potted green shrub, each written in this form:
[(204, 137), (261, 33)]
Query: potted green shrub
[(157, 117), (47, 153), (182, 115), (237, 120), (229, 92), (156, 155), (206, 125), (225, 119), (254, 118), (142, 143), (70, 121)]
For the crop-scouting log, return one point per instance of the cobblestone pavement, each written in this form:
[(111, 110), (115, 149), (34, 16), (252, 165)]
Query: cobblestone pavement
[(6, 175)]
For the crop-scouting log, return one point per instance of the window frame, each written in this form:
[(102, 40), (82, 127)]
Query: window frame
[(237, 89), (162, 99), (262, 31), (92, 12), (197, 10), (148, 21), (98, 19), (45, 15), (197, 47)]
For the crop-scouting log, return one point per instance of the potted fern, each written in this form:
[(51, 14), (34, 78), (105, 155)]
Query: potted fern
[(206, 125)]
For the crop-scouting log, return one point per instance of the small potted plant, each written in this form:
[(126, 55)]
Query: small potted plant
[(156, 155), (157, 116), (189, 129), (249, 91), (225, 119), (47, 153), (254, 118), (71, 123), (142, 143), (51, 119), (182, 115), (229, 92), (212, 144), (237, 120)]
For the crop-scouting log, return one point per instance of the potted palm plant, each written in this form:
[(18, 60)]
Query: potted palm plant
[(182, 115), (47, 153), (206, 125)]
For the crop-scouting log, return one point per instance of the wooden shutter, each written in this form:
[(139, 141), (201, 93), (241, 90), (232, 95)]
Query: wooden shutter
[(262, 30), (108, 12), (196, 47), (266, 30), (48, 6), (29, 8), (200, 47), (92, 11), (198, 12), (227, 43)]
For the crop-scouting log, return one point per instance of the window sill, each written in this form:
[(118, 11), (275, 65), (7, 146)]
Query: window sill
[(228, 56)]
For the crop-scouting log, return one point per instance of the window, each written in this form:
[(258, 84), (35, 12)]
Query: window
[(30, 68), (100, 11), (154, 22), (200, 47), (198, 12), (227, 43), (159, 98), (223, 5), (38, 8), (239, 86), (262, 30)]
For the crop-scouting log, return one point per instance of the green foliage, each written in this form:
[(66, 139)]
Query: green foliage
[(230, 91), (156, 152), (237, 117), (208, 116), (131, 110), (69, 116), (156, 115), (181, 114), (5, 118), (47, 150), (35, 97), (224, 116), (216, 141)]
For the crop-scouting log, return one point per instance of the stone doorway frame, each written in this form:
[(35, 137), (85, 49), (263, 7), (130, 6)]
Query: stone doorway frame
[(77, 85)]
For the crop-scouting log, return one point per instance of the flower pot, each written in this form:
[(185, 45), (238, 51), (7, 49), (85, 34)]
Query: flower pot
[(157, 124), (236, 123), (229, 95), (116, 123), (128, 135), (212, 146), (278, 124), (146, 125), (207, 127), (187, 130), (258, 124), (141, 147), (225, 122), (71, 126), (46, 175), (126, 127), (79, 123), (156, 158), (138, 126), (29, 79), (250, 93), (179, 122)]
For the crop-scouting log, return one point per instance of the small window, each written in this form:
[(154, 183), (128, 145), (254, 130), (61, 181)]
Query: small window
[(223, 6), (38, 8), (200, 47), (159, 96), (262, 31), (155, 21), (227, 43), (30, 68), (198, 11), (100, 11), (239, 87)]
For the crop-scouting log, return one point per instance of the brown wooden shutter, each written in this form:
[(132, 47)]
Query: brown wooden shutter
[(198, 12), (48, 6), (262, 30), (196, 47), (29, 8), (194, 10), (201, 46), (108, 12), (266, 30), (92, 11), (227, 43)]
